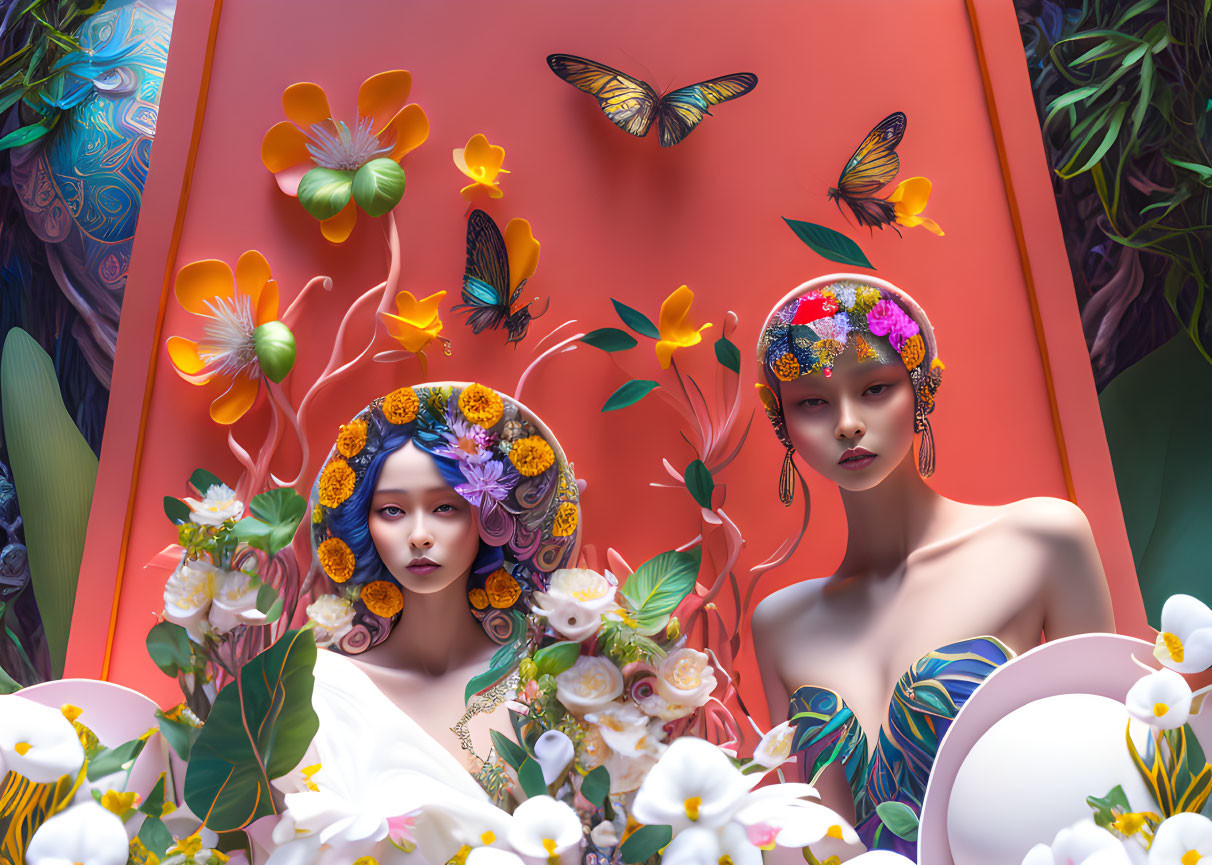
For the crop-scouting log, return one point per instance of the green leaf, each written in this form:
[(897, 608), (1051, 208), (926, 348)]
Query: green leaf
[(54, 471), (1116, 121), (530, 776), (636, 320), (511, 752), (24, 135), (202, 480), (154, 803), (324, 192), (378, 186), (155, 836), (254, 733), (8, 685), (485, 680), (275, 347), (659, 585), (556, 658), (269, 602), (645, 843), (596, 786), (1204, 171), (699, 482), (275, 519), (176, 510), (1103, 807), (180, 735), (828, 243), (629, 394), (899, 818), (110, 760), (169, 647), (609, 339), (728, 354)]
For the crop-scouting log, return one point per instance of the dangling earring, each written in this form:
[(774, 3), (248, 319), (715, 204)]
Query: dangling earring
[(787, 479), (925, 451)]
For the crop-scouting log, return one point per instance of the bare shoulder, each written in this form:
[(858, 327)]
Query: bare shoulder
[(779, 610), (1057, 523)]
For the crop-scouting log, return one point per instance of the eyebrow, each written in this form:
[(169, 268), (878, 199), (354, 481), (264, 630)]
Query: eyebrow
[(400, 492)]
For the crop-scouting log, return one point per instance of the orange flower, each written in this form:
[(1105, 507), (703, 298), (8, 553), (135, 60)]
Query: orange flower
[(910, 198), (417, 324), (480, 161), (385, 129), (676, 332), (234, 307)]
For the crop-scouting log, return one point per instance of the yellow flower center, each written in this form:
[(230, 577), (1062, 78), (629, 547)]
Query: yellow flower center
[(834, 831), (118, 803), (692, 806), (22, 748), (1191, 857), (1160, 709), (188, 846), (685, 675), (549, 845), (1174, 646), (366, 860), (71, 712), (1129, 823), (461, 856), (725, 859), (488, 838)]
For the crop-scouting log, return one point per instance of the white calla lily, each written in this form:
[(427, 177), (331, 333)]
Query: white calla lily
[(1078, 845), (788, 821), (775, 748), (693, 784), (574, 602), (1183, 839), (37, 742), (591, 683), (1161, 699), (701, 845), (493, 856), (546, 831), (554, 752), (217, 506), (85, 834), (1184, 643)]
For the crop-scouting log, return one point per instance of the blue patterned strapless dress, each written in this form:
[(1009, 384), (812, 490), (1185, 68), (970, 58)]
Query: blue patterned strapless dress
[(924, 703)]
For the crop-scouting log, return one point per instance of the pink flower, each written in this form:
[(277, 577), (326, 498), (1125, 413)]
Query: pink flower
[(888, 319)]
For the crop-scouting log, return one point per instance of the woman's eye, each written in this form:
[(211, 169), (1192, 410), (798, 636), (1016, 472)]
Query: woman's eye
[(390, 511), (812, 402), (444, 509), (877, 389)]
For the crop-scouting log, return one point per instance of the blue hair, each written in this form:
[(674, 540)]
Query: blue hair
[(351, 520)]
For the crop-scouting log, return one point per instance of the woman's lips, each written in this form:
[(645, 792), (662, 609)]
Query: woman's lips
[(855, 459), (421, 567)]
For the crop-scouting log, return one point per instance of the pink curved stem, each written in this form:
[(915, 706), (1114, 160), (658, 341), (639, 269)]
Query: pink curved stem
[(323, 281), (279, 400), (555, 349), (538, 345), (242, 456)]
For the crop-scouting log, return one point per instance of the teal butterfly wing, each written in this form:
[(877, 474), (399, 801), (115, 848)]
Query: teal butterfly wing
[(680, 111), (486, 296), (627, 102)]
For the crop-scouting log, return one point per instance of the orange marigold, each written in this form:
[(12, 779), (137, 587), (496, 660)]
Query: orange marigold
[(478, 598), (913, 352), (352, 438), (566, 519), (531, 456), (828, 350), (502, 589), (787, 367), (864, 349), (400, 406), (337, 559), (383, 598), (337, 483), (481, 405)]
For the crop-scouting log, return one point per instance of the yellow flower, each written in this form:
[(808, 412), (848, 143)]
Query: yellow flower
[(480, 161), (119, 803), (566, 519), (336, 483), (417, 323), (383, 598), (787, 367), (309, 138), (317, 515), (189, 846), (478, 598), (401, 405), (910, 198), (234, 306), (352, 438), (828, 350), (676, 332), (866, 298), (481, 405), (337, 559), (531, 456), (502, 589)]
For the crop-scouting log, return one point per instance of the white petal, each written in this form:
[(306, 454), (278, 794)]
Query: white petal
[(1178, 835), (554, 751), (49, 741), (85, 833)]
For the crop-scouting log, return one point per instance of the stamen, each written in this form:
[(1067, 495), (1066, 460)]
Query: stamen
[(228, 343), (345, 149)]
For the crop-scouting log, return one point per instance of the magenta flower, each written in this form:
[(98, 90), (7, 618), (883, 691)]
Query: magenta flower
[(888, 319)]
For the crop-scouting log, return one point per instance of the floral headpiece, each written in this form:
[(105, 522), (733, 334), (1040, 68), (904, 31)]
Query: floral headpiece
[(510, 467), (809, 328)]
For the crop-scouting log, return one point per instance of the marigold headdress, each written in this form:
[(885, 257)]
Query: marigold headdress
[(809, 328), (497, 455)]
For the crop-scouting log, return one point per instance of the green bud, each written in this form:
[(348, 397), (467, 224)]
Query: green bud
[(275, 346), (673, 630), (528, 669)]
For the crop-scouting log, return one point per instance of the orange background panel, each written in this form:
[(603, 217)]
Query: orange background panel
[(618, 217)]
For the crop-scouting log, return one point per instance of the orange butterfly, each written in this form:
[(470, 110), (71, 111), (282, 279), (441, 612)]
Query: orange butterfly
[(869, 170)]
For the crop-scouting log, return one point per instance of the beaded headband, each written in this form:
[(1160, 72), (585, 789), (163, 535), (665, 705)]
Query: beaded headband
[(810, 328), (512, 469)]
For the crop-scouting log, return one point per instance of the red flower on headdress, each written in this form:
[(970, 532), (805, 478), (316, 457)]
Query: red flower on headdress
[(814, 306)]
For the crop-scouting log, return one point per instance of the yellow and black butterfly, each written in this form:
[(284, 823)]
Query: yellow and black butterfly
[(868, 171), (631, 104)]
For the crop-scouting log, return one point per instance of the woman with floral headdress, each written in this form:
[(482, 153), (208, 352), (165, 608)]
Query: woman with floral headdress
[(932, 594)]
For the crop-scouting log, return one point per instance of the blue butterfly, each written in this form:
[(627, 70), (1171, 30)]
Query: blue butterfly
[(497, 268)]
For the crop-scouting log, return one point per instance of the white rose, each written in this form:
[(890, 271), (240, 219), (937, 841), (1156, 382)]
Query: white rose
[(634, 741), (775, 748), (188, 595), (589, 684), (685, 678), (574, 602), (656, 706), (235, 603), (332, 616), (216, 507), (37, 742), (86, 834)]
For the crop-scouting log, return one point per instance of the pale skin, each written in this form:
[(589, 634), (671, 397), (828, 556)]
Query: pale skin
[(427, 536), (920, 571)]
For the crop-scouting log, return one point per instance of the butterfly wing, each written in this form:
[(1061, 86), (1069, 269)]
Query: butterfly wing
[(872, 212), (875, 162), (680, 111), (627, 102), (486, 277)]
